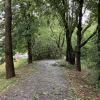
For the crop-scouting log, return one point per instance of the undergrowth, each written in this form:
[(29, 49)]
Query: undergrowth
[(4, 83)]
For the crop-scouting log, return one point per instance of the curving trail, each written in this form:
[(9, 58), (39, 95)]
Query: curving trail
[(44, 82)]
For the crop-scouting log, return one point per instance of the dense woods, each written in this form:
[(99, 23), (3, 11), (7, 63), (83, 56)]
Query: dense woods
[(51, 29)]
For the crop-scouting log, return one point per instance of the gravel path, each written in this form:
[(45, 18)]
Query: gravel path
[(45, 82)]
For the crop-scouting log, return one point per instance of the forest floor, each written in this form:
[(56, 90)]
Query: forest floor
[(46, 80)]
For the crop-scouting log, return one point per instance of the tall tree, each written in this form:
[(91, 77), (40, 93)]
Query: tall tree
[(66, 9), (10, 72), (25, 26), (29, 39), (79, 36)]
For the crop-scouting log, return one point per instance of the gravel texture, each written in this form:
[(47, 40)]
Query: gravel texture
[(46, 81)]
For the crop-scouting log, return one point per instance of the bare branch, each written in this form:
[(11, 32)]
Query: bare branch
[(85, 29), (91, 36)]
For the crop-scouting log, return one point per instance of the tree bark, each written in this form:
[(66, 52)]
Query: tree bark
[(70, 57), (29, 43), (10, 72), (78, 49)]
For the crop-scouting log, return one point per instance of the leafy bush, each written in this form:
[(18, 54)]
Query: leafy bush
[(45, 51), (2, 60)]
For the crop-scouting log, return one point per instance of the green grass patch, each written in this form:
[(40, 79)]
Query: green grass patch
[(63, 63), (4, 83)]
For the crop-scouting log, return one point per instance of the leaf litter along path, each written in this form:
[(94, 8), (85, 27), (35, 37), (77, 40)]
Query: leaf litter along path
[(44, 82)]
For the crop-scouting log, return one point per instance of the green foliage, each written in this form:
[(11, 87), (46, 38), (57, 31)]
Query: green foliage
[(25, 24), (45, 51), (4, 84), (43, 21), (47, 39)]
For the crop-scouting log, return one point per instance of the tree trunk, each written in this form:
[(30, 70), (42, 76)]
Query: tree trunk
[(10, 72), (78, 49), (99, 32), (29, 43), (70, 57)]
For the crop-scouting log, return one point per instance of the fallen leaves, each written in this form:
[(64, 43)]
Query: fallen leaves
[(82, 87)]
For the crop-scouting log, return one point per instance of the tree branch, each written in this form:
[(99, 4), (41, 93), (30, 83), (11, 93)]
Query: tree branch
[(86, 41), (85, 29)]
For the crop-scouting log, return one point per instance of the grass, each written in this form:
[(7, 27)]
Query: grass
[(4, 83), (93, 72)]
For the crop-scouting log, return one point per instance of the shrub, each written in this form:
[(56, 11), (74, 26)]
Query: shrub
[(45, 51)]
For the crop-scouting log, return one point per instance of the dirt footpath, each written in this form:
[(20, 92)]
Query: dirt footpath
[(44, 82)]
